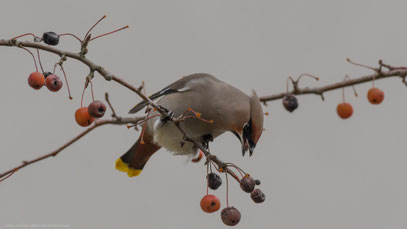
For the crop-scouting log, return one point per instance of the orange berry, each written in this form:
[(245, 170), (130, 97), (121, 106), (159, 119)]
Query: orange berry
[(210, 203), (36, 80), (344, 110), (375, 95), (82, 117)]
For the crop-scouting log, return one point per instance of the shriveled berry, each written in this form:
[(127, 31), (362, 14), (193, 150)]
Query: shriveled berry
[(290, 102), (82, 117), (214, 181), (258, 196), (46, 74), (210, 203), (230, 216), (375, 95), (50, 38), (258, 182), (36, 80), (53, 83), (97, 109), (247, 183), (344, 110)]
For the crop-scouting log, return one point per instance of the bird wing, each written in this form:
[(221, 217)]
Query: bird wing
[(181, 85)]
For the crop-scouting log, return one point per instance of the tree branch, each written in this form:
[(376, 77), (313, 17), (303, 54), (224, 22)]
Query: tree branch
[(98, 123), (392, 72)]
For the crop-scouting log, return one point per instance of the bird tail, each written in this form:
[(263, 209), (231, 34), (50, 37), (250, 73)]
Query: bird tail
[(134, 160)]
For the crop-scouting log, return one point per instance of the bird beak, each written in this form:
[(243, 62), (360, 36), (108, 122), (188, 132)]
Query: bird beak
[(247, 143)]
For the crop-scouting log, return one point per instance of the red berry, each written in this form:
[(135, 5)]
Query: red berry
[(36, 80), (344, 110), (210, 203), (53, 83), (82, 117), (230, 216), (97, 109), (258, 196), (375, 95), (247, 183)]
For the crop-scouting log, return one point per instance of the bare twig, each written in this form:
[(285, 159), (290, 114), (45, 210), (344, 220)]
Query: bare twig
[(114, 115), (97, 123)]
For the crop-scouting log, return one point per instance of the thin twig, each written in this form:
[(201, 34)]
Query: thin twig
[(114, 115), (97, 123)]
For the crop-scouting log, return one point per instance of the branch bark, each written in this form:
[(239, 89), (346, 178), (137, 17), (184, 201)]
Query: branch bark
[(392, 72), (98, 123)]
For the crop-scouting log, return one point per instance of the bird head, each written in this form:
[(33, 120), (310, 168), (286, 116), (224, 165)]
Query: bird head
[(253, 129)]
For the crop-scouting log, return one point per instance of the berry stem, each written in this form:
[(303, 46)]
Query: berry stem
[(207, 179), (25, 34), (39, 60), (104, 16), (308, 75), (143, 130), (35, 63), (91, 90), (227, 190), (72, 35), (83, 93), (66, 81), (117, 30), (288, 80)]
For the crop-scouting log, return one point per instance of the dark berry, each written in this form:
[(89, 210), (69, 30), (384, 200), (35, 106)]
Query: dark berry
[(36, 80), (46, 74), (290, 102), (247, 183), (50, 38), (53, 83), (258, 182), (258, 196), (230, 216), (214, 181), (97, 109)]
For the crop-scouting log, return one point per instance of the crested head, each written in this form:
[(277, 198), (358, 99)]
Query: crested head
[(256, 117)]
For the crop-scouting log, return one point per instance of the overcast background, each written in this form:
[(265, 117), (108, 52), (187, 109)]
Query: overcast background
[(317, 170)]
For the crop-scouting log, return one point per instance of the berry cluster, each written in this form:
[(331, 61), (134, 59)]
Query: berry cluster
[(84, 116), (211, 203), (374, 96), (36, 80), (344, 109)]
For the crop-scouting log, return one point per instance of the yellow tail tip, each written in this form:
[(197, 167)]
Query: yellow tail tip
[(133, 172), (124, 167), (121, 166)]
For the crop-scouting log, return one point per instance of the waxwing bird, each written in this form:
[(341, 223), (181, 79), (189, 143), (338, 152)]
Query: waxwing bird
[(221, 108)]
